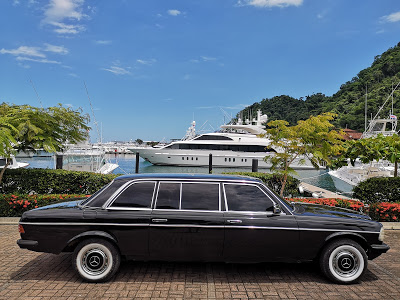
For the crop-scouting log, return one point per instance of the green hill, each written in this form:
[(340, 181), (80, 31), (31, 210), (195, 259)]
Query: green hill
[(348, 102)]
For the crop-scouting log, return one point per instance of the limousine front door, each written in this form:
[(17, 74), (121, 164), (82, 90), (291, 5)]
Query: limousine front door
[(186, 222), (253, 233)]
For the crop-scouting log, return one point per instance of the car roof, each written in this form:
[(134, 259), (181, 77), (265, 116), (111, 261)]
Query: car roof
[(168, 176)]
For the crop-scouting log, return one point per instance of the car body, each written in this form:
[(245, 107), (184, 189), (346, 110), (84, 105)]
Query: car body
[(177, 217)]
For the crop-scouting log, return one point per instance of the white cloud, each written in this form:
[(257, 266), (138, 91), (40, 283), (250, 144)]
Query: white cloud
[(63, 28), (392, 18), (207, 58), (24, 50), (118, 70), (270, 3), (174, 12), (103, 42), (40, 60), (61, 13), (36, 54), (148, 62), (56, 49)]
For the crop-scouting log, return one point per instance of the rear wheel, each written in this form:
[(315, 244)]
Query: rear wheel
[(343, 261), (96, 260)]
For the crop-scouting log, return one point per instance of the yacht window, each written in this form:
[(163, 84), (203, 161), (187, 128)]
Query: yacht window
[(200, 196), (214, 138), (138, 195)]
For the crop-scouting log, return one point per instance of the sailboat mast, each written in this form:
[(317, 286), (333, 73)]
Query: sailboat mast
[(366, 98)]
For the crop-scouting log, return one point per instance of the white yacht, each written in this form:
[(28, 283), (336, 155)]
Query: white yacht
[(85, 157), (236, 146), (14, 163)]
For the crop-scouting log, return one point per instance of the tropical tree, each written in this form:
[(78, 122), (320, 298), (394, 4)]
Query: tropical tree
[(371, 149), (313, 139), (24, 128)]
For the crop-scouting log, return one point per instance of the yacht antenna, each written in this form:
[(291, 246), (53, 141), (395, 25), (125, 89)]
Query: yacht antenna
[(91, 107), (37, 95), (380, 109), (366, 97)]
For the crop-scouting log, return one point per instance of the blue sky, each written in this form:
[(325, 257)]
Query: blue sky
[(151, 66)]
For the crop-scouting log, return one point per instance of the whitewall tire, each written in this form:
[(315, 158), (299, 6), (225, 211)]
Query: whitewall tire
[(343, 261), (96, 260)]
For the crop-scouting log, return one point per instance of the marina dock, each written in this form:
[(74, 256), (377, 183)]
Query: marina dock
[(318, 192)]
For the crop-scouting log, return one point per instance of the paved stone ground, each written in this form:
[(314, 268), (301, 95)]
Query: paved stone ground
[(29, 275)]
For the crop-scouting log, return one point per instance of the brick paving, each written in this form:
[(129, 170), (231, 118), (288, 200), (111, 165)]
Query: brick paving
[(29, 275)]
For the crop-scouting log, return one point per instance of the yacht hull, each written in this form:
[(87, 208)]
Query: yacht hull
[(223, 159)]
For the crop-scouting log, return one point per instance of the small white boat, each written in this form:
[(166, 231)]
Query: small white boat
[(14, 163), (87, 158)]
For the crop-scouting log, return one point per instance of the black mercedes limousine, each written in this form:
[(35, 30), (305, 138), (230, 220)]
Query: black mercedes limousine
[(200, 218)]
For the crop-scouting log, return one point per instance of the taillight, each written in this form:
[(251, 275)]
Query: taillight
[(21, 229)]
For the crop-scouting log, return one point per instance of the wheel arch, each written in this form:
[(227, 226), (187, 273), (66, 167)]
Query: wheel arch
[(73, 242), (344, 235)]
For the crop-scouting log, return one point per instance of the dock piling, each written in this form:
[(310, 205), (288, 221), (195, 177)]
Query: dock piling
[(137, 163)]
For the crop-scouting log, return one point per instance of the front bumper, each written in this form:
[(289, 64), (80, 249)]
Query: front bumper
[(27, 244), (377, 249)]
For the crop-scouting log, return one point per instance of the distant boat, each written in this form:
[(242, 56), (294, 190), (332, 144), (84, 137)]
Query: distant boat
[(353, 175), (85, 157), (14, 163)]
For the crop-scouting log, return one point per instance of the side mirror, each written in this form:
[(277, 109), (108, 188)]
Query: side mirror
[(277, 209)]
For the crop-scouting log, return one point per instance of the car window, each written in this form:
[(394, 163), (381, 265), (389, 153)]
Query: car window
[(200, 196), (242, 197), (169, 195), (105, 194), (137, 195)]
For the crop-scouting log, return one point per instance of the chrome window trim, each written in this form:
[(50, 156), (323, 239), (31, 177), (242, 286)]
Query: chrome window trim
[(217, 182), (219, 195), (91, 200), (128, 208), (158, 190), (188, 210), (248, 211), (117, 193)]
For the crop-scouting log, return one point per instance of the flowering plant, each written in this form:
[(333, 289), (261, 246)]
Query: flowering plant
[(13, 205), (383, 211)]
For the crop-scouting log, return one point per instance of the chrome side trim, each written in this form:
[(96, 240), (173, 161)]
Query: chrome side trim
[(197, 226)]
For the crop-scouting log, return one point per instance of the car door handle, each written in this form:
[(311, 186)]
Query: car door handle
[(159, 220), (234, 221)]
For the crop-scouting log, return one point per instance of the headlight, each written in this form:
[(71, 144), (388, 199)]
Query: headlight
[(381, 234)]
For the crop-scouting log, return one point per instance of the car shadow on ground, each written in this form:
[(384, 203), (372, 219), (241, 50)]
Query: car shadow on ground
[(59, 268)]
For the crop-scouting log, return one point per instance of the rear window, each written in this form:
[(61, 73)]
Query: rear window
[(100, 197)]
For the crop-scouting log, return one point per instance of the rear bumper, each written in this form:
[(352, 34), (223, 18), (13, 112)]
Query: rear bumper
[(376, 250), (27, 244)]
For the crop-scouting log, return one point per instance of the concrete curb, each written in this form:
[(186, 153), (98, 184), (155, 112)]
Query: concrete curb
[(14, 221)]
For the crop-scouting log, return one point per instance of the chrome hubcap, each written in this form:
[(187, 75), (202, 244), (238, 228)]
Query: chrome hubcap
[(94, 262), (346, 263)]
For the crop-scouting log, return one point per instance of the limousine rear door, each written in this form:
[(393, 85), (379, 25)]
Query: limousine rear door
[(187, 222), (252, 231)]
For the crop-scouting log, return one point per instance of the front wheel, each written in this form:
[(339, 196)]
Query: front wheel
[(343, 261), (96, 260)]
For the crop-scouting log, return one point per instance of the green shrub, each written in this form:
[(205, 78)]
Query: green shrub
[(378, 189), (12, 205), (273, 181), (46, 181)]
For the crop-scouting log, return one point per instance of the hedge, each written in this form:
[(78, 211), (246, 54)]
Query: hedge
[(47, 181), (15, 205), (378, 189), (273, 181)]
